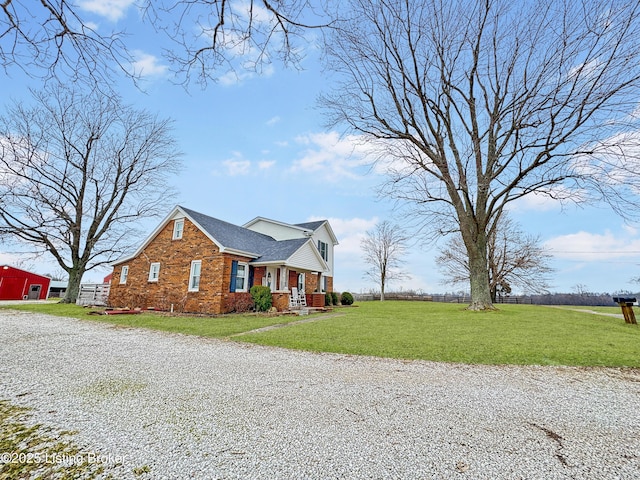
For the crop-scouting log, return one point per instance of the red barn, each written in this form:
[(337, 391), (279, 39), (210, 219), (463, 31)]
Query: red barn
[(17, 284)]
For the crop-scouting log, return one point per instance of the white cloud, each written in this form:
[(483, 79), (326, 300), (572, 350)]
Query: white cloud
[(266, 164), (331, 157), (147, 65), (246, 71), (586, 69), (237, 167), (110, 9), (348, 255), (588, 246), (536, 202), (543, 203), (11, 259), (350, 266), (350, 231), (273, 120)]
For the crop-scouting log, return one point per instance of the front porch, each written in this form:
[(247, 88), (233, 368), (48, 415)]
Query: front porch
[(283, 280)]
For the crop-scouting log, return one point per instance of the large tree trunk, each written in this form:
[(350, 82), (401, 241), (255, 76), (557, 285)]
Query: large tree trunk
[(479, 274), (73, 287)]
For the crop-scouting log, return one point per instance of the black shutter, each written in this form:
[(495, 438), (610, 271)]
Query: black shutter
[(250, 284), (234, 274)]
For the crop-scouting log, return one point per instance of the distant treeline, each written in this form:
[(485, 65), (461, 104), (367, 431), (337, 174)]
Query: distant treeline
[(584, 299)]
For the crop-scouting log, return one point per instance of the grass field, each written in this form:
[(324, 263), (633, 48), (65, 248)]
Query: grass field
[(515, 334)]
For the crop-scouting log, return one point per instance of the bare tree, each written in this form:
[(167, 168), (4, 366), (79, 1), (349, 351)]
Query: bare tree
[(210, 37), (515, 259), (475, 105), (76, 171), (383, 249), (207, 37), (581, 289), (50, 38)]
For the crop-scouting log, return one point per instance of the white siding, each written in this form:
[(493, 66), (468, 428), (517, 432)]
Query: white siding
[(322, 234), (279, 232), (306, 259)]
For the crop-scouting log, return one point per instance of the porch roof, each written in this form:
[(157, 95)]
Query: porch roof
[(280, 251)]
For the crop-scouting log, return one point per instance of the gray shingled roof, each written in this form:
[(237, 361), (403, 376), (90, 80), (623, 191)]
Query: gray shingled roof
[(281, 250), (311, 225), (232, 236)]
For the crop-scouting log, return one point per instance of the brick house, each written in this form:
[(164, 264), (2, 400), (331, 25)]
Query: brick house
[(196, 263)]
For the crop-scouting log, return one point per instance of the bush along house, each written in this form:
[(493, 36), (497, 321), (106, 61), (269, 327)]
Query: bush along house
[(196, 263)]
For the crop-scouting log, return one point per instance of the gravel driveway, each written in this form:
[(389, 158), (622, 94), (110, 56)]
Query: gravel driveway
[(188, 407)]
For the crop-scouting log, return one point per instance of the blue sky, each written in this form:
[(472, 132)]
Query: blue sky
[(256, 146)]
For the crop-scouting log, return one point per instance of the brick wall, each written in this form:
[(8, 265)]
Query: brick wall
[(175, 258), (310, 282)]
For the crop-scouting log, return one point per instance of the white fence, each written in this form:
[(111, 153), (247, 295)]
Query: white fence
[(93, 294)]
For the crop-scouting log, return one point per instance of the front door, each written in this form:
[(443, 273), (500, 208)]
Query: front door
[(271, 279), (34, 292)]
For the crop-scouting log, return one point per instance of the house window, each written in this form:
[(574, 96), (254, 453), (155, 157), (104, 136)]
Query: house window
[(124, 273), (154, 272), (194, 276), (178, 228), (323, 248), (301, 282), (239, 277)]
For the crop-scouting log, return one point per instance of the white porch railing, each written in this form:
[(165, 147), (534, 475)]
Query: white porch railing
[(93, 294)]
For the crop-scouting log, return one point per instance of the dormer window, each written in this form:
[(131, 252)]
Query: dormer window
[(178, 228)]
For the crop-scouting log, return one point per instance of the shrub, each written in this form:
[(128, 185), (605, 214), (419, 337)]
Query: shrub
[(346, 298), (334, 298), (261, 298), (241, 303), (327, 299)]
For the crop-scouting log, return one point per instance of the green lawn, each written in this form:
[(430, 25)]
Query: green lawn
[(515, 334)]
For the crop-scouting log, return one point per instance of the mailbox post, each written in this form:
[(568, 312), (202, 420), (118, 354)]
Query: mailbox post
[(626, 303)]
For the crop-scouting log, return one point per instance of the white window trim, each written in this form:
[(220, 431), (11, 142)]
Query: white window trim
[(177, 232), (155, 266), (192, 275), (246, 277), (124, 273)]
